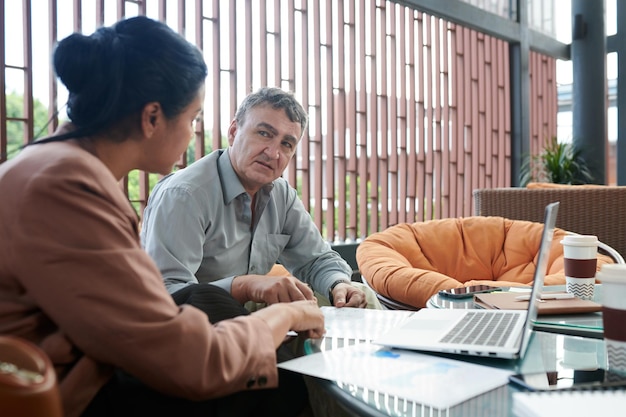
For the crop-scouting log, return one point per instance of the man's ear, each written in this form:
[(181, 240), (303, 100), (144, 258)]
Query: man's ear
[(151, 116), (232, 131)]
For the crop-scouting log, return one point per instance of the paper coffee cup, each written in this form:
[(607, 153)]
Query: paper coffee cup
[(580, 261), (613, 279)]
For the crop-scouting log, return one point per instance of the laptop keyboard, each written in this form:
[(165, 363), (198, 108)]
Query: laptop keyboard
[(483, 329)]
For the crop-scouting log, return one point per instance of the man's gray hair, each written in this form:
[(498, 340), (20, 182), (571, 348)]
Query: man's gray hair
[(278, 99)]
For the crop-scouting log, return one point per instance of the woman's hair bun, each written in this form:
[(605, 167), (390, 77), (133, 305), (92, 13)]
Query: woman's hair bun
[(75, 61)]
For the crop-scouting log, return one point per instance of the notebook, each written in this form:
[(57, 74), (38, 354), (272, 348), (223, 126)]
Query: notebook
[(509, 301), (490, 333), (569, 403)]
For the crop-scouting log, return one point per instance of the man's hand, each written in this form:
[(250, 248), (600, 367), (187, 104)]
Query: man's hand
[(270, 289), (345, 295)]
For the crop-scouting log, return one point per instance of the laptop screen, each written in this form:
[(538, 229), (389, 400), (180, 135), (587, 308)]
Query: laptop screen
[(540, 272)]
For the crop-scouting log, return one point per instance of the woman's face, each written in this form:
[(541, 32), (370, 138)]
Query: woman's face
[(174, 137)]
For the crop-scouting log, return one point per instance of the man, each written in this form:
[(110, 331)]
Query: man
[(229, 217)]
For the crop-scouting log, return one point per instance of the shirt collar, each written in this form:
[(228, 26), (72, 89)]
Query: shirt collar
[(231, 186)]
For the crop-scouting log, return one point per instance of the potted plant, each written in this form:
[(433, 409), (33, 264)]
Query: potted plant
[(558, 163)]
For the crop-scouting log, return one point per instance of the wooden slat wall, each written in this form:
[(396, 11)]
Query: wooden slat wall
[(409, 113)]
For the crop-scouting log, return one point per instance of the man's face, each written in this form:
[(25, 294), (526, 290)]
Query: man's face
[(261, 147)]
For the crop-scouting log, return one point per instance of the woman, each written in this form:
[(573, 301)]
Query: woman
[(73, 276)]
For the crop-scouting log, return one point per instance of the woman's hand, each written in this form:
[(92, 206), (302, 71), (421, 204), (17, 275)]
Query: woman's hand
[(300, 316)]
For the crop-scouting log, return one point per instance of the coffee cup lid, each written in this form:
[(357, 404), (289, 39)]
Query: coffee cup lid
[(580, 240), (613, 273)]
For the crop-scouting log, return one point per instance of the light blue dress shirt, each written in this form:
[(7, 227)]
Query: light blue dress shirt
[(198, 227)]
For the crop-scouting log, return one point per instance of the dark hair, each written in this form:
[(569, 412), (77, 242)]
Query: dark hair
[(278, 99), (113, 73)]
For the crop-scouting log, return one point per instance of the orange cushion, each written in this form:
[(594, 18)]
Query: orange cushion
[(278, 271), (411, 262), (535, 185)]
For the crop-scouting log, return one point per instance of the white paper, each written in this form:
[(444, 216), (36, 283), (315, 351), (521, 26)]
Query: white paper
[(425, 379), (570, 403), (361, 323)]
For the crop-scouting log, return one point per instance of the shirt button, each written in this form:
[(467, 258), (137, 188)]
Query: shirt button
[(252, 268)]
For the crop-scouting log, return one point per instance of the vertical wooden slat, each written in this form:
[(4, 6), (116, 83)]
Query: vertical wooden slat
[(382, 105), (446, 148), (474, 153), (263, 42), (28, 72), (352, 177), (366, 176), (486, 119), (231, 70), (507, 114), (392, 104), (428, 122), (290, 34), (199, 148), (162, 10), (306, 102), (276, 34), (248, 56), (401, 99), (456, 127), (339, 115), (373, 119), (78, 15), (53, 105), (412, 136), (316, 141), (328, 131), (460, 34), (215, 75), (436, 122), (181, 28), (421, 113)]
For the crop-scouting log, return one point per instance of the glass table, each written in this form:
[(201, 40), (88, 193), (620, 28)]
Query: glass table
[(586, 325), (559, 343), (546, 352)]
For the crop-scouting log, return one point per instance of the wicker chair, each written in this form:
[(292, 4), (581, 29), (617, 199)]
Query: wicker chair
[(599, 211)]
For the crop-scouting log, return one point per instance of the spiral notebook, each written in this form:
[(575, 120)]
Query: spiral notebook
[(578, 403)]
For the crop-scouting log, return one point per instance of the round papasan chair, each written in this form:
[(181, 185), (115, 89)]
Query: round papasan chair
[(408, 263)]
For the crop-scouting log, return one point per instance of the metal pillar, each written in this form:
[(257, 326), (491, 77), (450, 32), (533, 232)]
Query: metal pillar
[(520, 95), (621, 94), (589, 95)]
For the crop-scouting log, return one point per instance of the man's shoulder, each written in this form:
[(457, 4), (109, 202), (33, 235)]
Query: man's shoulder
[(281, 185), (198, 175)]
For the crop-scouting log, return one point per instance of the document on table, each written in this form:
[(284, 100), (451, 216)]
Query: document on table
[(425, 379), (429, 380), (361, 323)]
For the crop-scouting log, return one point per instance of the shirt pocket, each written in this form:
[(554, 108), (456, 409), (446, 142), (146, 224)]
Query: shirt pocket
[(265, 252)]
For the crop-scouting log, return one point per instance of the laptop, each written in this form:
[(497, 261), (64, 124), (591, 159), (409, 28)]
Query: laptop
[(488, 333)]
